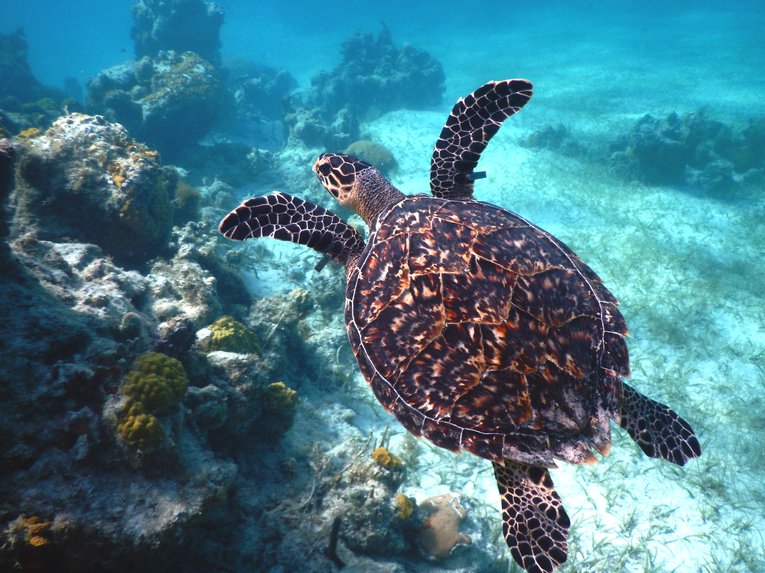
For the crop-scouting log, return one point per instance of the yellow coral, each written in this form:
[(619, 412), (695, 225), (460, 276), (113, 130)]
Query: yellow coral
[(279, 396), (142, 431), (29, 133), (232, 336), (157, 381), (36, 531), (404, 506), (386, 459), (117, 172)]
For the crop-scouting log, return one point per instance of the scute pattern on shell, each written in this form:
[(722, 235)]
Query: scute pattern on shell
[(481, 332)]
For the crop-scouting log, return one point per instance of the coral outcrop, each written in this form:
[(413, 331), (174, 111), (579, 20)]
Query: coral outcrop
[(373, 153), (85, 178), (440, 532), (18, 85), (229, 335), (169, 101), (156, 384), (374, 76), (179, 25), (691, 150)]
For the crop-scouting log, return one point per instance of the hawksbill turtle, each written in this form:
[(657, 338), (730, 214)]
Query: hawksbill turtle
[(479, 330)]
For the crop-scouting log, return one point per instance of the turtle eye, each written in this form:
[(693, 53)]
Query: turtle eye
[(325, 168)]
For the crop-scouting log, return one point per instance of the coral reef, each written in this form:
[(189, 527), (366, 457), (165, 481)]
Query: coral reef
[(85, 164), (169, 101), (180, 25), (690, 150), (440, 532), (373, 153), (310, 126), (7, 162)]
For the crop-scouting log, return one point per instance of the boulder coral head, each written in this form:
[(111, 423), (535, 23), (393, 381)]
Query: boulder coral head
[(373, 153), (156, 384), (84, 178), (157, 381), (440, 532), (230, 335)]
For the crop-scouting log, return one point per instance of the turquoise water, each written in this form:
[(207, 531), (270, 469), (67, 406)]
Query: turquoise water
[(248, 480)]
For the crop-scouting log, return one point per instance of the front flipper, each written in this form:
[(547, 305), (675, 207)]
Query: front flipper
[(535, 524), (659, 431), (288, 218), (472, 123)]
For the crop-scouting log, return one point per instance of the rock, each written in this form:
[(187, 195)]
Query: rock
[(80, 274), (208, 406), (86, 165), (7, 164), (180, 25)]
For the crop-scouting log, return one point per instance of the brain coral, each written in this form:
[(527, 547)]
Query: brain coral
[(142, 431), (85, 178), (230, 335), (157, 381)]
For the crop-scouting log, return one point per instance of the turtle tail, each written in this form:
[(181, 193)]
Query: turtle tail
[(658, 430), (282, 216), (534, 522)]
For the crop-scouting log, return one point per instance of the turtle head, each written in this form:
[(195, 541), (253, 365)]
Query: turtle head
[(339, 173), (355, 184)]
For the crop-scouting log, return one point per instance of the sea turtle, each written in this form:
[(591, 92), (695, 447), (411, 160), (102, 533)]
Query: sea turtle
[(479, 330)]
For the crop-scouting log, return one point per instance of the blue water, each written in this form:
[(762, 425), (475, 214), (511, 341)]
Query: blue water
[(685, 259)]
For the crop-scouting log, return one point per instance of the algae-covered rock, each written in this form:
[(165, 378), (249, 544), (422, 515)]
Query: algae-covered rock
[(169, 101), (85, 179)]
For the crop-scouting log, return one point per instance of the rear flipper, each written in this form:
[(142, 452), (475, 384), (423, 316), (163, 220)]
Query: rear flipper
[(535, 524), (282, 216), (659, 431)]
